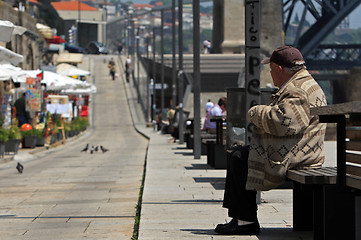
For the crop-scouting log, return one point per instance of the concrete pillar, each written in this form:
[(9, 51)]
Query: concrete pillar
[(228, 26), (217, 33), (271, 34), (353, 85), (233, 26)]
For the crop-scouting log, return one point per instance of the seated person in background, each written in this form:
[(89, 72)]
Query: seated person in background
[(285, 136), (209, 105), (216, 110)]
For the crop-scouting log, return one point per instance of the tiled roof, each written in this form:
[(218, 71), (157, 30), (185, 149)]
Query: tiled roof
[(34, 1), (72, 6), (142, 6)]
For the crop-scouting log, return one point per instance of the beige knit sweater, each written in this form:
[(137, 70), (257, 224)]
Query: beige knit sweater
[(285, 135)]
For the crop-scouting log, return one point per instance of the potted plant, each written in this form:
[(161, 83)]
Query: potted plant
[(40, 138), (29, 138), (4, 136), (12, 145)]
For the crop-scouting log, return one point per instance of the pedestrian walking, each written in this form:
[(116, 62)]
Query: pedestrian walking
[(128, 67), (111, 66)]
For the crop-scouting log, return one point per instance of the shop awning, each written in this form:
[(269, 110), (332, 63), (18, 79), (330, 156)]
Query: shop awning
[(7, 29)]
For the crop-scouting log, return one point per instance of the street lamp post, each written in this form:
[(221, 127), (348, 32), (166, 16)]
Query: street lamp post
[(154, 76), (137, 54), (174, 74), (196, 81), (148, 78), (162, 62), (180, 66)]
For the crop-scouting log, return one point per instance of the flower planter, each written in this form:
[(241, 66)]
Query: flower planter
[(40, 141), (53, 139), (2, 149), (29, 142), (12, 146)]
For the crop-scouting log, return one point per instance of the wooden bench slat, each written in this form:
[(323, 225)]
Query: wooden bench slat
[(353, 145), (324, 171), (353, 158), (353, 170), (353, 182), (325, 175), (329, 170), (353, 133)]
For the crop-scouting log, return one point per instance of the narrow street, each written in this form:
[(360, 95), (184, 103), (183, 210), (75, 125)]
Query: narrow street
[(68, 194)]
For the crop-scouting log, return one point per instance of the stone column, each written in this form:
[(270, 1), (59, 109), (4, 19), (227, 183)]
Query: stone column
[(233, 26), (271, 34)]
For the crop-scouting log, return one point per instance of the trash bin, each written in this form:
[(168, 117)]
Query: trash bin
[(236, 113)]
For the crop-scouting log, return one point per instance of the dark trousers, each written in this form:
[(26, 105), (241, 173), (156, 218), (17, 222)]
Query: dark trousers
[(241, 203)]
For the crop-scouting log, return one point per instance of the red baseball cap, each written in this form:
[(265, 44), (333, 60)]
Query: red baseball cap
[(285, 56)]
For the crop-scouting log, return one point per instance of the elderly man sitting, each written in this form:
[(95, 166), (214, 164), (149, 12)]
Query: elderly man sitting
[(285, 136)]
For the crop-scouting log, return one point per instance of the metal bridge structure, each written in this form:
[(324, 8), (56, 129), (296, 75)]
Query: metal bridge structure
[(327, 16)]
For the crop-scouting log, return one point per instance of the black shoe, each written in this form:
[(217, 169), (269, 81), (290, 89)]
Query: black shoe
[(232, 228), (225, 225)]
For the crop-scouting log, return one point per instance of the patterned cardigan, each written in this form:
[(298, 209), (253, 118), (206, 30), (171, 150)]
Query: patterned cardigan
[(285, 135)]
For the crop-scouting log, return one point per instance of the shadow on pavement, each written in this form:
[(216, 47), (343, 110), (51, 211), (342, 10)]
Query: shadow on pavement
[(199, 167), (266, 233)]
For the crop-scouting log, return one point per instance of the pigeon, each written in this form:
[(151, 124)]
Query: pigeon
[(96, 148), (103, 149), (85, 149), (20, 168), (92, 150)]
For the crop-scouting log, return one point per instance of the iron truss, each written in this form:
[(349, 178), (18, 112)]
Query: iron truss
[(327, 15), (334, 56)]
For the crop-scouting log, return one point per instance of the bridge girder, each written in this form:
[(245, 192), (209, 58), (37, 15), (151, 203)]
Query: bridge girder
[(328, 14)]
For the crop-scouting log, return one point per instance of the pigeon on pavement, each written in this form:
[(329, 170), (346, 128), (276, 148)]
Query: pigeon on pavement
[(85, 149), (103, 149), (20, 168)]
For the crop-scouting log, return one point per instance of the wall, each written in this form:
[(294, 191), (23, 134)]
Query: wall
[(89, 18), (30, 44), (353, 85)]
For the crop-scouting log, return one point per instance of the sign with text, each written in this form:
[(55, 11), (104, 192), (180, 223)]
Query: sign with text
[(33, 95), (253, 62), (252, 24)]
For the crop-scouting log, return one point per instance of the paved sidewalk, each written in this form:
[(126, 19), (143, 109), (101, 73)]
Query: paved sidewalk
[(182, 196)]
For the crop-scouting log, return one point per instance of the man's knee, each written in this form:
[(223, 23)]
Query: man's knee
[(239, 157)]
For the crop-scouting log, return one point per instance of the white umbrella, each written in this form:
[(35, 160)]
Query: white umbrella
[(70, 70), (56, 81), (88, 89), (8, 71), (10, 56)]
